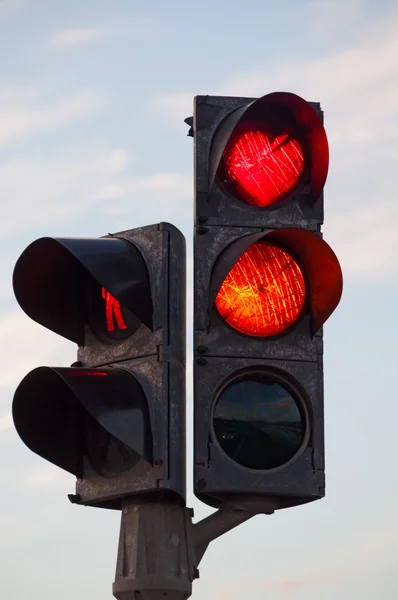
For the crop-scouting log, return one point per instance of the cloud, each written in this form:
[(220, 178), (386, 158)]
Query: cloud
[(366, 241), (117, 161), (370, 552), (152, 183), (177, 105), (6, 422), (9, 7), (358, 90), (24, 111), (46, 475), (286, 586), (86, 35), (164, 196), (327, 15), (42, 191), (73, 37), (83, 35), (25, 345), (225, 592)]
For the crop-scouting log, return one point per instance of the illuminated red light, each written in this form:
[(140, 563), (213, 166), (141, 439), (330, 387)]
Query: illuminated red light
[(264, 292), (113, 311), (265, 168)]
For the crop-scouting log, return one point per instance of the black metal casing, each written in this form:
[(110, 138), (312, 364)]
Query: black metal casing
[(144, 269), (220, 352)]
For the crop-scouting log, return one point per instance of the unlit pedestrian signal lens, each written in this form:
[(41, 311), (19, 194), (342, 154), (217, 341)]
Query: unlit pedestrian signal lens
[(264, 292), (265, 167)]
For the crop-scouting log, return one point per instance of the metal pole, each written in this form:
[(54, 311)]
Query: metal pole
[(155, 559), (160, 548)]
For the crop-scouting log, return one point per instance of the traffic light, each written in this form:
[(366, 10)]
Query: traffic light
[(264, 284), (116, 418)]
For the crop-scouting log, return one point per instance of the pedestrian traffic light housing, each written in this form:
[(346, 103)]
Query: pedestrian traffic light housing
[(265, 282), (116, 418)]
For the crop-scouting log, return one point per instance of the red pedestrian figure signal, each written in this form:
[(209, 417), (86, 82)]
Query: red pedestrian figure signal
[(113, 312)]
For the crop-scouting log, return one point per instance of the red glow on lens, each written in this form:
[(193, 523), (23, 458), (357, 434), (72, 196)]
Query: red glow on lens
[(265, 168), (113, 312), (264, 292), (86, 373)]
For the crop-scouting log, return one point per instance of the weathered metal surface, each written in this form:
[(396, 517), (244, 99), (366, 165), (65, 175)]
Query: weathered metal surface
[(155, 556), (160, 548), (220, 351), (157, 360)]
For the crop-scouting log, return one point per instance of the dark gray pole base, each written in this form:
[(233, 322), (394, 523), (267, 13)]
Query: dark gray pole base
[(154, 559), (160, 548)]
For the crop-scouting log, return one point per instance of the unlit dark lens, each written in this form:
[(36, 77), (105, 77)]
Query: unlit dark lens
[(258, 423)]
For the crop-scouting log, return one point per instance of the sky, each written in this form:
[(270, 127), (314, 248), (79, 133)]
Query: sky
[(93, 97)]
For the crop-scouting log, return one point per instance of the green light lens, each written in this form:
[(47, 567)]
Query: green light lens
[(258, 422)]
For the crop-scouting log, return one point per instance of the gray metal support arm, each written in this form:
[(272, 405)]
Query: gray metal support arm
[(160, 548), (214, 526)]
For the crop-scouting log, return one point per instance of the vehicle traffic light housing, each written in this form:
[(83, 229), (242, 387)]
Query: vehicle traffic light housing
[(264, 284), (219, 198), (116, 418)]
